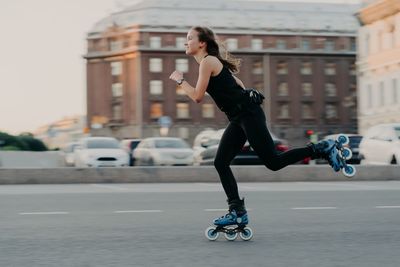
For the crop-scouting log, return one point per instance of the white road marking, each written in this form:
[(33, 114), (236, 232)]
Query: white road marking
[(44, 213), (387, 207), (113, 187), (314, 208), (137, 211)]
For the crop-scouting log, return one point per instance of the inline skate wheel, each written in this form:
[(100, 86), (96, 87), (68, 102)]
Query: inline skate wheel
[(247, 234), (349, 170), (343, 139), (211, 233), (347, 153), (231, 235)]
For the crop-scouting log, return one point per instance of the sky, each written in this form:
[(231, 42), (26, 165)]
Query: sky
[(42, 71)]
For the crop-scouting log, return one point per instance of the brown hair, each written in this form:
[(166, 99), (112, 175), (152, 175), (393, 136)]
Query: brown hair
[(213, 48)]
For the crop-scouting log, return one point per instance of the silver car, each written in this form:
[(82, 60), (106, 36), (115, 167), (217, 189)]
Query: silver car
[(163, 151), (381, 144)]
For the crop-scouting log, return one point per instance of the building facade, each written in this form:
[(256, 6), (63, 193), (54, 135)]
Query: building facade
[(378, 62), (305, 66)]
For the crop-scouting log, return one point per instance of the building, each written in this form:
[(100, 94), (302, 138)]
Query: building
[(59, 133), (378, 63), (301, 55)]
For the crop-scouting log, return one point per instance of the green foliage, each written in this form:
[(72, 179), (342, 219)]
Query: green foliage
[(23, 142)]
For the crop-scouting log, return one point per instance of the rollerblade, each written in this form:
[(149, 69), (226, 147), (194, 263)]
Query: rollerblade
[(336, 154), (232, 224)]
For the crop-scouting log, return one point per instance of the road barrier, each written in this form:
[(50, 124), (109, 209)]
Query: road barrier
[(190, 174)]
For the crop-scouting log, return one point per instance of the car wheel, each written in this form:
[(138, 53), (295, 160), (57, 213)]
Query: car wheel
[(150, 162), (394, 161)]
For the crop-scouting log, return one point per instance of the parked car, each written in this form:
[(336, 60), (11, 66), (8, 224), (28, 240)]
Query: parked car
[(354, 144), (129, 145), (100, 152), (200, 143), (69, 153), (381, 144), (247, 156), (163, 151)]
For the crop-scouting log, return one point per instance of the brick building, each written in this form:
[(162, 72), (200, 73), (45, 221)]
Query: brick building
[(301, 55)]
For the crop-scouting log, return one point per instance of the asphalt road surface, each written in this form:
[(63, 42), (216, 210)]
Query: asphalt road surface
[(295, 224)]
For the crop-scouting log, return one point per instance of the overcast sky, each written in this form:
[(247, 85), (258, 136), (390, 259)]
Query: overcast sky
[(42, 72)]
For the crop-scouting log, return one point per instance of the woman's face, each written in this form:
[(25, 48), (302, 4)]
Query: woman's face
[(193, 45)]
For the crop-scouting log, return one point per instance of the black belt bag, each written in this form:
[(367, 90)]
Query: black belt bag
[(252, 97), (255, 96)]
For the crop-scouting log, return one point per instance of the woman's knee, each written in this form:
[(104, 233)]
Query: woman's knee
[(220, 164)]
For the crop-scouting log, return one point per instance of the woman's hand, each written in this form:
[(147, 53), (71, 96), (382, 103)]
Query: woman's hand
[(176, 76)]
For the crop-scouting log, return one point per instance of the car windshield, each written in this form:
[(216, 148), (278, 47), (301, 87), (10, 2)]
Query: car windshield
[(102, 143), (355, 140), (170, 144), (397, 130)]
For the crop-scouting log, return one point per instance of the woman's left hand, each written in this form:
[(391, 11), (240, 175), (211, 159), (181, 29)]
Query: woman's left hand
[(176, 76)]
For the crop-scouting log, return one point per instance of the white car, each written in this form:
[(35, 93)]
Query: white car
[(100, 152), (69, 157), (200, 143), (163, 151), (381, 144)]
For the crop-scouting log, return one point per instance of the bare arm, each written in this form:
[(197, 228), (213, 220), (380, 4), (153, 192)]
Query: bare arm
[(197, 93)]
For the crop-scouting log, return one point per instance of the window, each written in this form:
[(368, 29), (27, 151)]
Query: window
[(257, 44), (281, 44), (330, 89), (283, 89), (283, 111), (257, 67), (155, 42), (116, 68), (305, 44), (306, 68), (307, 89), (282, 67), (156, 87), (180, 42), (353, 69), (381, 94), (156, 65), (329, 45), (156, 110), (307, 111), (369, 96), (208, 111), (180, 91), (117, 90), (182, 110), (353, 45), (331, 111), (115, 45), (231, 44), (394, 92), (117, 112), (182, 64), (330, 68)]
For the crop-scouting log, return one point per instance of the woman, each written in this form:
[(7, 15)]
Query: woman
[(247, 119)]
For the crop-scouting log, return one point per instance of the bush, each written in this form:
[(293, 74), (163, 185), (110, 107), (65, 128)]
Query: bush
[(23, 142)]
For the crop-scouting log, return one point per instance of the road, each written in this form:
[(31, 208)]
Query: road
[(295, 224)]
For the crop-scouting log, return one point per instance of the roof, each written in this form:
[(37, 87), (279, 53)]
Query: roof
[(234, 14)]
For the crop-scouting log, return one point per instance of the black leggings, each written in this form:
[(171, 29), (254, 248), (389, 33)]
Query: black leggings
[(251, 125)]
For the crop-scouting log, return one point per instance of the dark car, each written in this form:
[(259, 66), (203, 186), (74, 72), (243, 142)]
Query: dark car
[(354, 145), (129, 145), (246, 156)]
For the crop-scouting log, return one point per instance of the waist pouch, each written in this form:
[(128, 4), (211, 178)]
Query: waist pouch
[(252, 96)]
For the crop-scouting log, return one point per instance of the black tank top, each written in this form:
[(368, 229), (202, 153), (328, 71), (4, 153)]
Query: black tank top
[(225, 91)]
